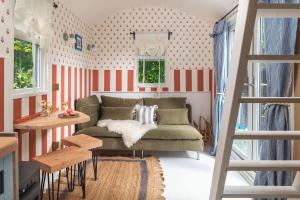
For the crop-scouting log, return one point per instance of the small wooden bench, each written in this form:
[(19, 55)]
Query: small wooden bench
[(58, 160), (85, 142)]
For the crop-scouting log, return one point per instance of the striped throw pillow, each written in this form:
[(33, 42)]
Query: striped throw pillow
[(146, 114)]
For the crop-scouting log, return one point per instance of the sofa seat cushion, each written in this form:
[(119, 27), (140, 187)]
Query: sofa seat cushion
[(173, 132), (97, 131), (162, 132)]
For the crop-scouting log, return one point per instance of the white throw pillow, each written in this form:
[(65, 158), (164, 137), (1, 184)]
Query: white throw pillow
[(146, 114)]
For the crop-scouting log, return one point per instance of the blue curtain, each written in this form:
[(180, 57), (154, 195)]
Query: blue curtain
[(220, 35), (280, 38)]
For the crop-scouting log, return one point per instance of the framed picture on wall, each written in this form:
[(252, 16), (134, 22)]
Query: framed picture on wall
[(78, 42)]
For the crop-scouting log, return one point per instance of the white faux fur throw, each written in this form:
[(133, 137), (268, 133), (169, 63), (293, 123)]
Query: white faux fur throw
[(132, 131)]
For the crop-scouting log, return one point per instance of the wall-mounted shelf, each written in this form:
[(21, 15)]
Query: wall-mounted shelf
[(53, 121)]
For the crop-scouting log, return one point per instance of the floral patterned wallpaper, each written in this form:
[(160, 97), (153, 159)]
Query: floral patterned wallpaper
[(190, 46), (63, 52), (6, 32)]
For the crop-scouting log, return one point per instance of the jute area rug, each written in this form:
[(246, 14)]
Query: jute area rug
[(120, 178)]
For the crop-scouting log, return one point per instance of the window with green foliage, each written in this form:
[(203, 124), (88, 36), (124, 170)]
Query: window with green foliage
[(26, 57), (151, 71)]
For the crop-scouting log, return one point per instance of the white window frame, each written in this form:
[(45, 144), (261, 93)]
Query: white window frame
[(154, 59), (42, 87), (253, 110)]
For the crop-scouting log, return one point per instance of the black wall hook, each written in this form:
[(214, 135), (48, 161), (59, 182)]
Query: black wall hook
[(55, 5), (133, 35)]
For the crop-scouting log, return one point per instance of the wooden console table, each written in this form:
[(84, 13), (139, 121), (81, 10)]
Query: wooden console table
[(52, 121)]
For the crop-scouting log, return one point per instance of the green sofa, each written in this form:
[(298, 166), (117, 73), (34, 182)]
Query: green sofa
[(163, 138)]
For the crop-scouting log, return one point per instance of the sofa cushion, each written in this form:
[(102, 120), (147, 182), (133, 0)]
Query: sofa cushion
[(166, 103), (119, 102), (173, 132), (97, 131), (162, 132), (117, 113), (173, 116), (90, 106)]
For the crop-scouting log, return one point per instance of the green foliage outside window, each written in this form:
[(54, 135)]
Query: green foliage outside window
[(23, 64), (151, 72)]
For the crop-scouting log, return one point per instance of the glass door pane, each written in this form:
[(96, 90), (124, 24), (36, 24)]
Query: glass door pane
[(244, 123), (242, 148)]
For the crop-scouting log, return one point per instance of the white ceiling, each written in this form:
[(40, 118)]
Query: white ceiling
[(95, 11)]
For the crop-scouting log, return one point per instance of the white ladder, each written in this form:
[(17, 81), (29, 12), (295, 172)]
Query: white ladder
[(248, 11)]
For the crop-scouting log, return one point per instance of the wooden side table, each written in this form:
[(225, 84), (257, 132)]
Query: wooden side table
[(88, 143), (61, 159)]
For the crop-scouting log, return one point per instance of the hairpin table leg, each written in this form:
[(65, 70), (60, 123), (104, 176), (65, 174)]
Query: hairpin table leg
[(50, 187), (95, 161), (48, 176), (83, 177), (58, 184), (79, 174), (71, 178), (43, 184)]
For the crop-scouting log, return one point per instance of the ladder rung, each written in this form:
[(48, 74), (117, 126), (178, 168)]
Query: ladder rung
[(264, 165), (278, 10), (265, 135), (260, 192), (270, 100), (274, 58)]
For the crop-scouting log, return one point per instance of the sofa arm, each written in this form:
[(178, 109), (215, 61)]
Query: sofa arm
[(189, 107)]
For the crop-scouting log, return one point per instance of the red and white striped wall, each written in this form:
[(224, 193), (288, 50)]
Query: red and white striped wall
[(5, 94), (74, 83), (178, 80)]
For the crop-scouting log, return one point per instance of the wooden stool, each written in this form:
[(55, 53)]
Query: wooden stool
[(61, 159), (86, 142)]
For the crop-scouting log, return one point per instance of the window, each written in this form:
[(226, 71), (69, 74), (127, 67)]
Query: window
[(261, 87), (32, 31), (27, 65), (151, 70), (262, 76), (251, 115)]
